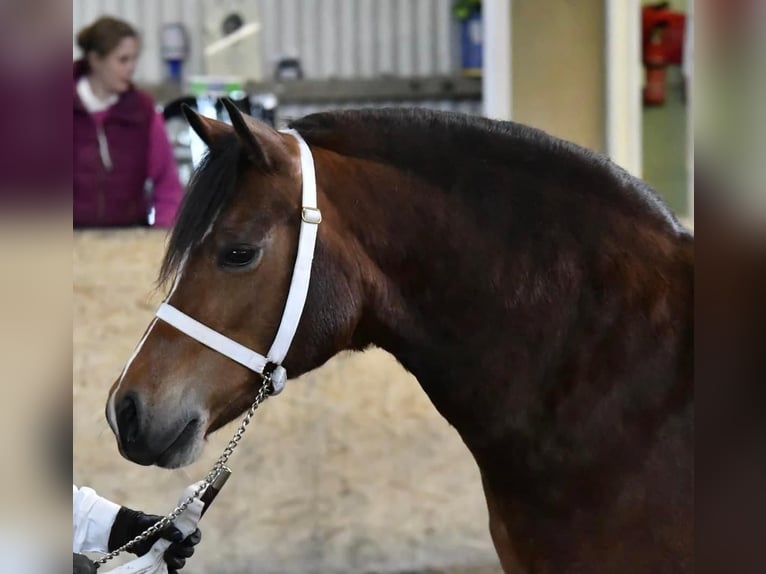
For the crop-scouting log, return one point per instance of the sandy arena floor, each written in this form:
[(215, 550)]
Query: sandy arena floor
[(351, 469)]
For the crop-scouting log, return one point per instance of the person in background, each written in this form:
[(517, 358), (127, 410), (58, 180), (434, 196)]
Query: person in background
[(124, 170), (100, 525)]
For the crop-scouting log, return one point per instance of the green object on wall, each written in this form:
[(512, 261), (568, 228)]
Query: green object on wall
[(464, 9)]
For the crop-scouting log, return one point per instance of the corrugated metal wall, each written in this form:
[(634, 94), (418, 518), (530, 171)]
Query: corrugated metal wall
[(333, 38)]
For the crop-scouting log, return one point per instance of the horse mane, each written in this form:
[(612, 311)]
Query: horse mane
[(466, 145), (466, 149)]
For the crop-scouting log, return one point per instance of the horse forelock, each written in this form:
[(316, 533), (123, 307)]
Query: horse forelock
[(210, 190)]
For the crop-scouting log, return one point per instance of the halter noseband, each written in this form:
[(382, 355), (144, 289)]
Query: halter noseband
[(269, 366)]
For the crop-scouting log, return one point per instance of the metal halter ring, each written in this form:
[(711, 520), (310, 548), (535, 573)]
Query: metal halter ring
[(276, 377)]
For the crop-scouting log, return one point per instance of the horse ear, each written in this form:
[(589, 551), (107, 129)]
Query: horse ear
[(208, 129), (264, 145)]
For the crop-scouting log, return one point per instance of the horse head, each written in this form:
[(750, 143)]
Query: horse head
[(230, 260)]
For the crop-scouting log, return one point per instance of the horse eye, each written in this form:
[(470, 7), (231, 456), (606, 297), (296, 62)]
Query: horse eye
[(238, 256)]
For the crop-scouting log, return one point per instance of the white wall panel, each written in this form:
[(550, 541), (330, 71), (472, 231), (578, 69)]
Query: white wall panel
[(367, 45), (290, 24), (151, 16), (445, 36), (384, 20), (111, 7), (193, 18), (327, 39), (310, 49), (333, 38), (89, 11), (404, 30), (131, 11), (348, 38), (270, 32), (424, 41)]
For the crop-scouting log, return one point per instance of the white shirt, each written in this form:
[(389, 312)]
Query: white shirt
[(89, 99), (92, 520)]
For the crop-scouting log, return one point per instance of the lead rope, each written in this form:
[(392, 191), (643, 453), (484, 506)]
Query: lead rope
[(263, 393)]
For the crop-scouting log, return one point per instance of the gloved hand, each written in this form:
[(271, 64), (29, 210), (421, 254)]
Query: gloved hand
[(83, 565), (130, 523)]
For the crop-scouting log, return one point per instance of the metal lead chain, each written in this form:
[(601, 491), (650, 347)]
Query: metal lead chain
[(263, 394)]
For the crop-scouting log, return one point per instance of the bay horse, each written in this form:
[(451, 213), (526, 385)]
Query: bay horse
[(542, 297)]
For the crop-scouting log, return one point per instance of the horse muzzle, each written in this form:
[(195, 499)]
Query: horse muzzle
[(152, 438)]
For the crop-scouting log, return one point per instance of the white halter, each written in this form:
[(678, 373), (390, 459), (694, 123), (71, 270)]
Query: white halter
[(311, 217)]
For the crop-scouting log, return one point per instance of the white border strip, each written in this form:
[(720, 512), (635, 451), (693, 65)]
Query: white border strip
[(624, 73), (497, 59)]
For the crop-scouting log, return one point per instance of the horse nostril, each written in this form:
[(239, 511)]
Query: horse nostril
[(127, 419)]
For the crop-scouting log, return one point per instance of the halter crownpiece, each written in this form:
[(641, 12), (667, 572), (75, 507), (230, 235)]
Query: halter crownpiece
[(269, 366)]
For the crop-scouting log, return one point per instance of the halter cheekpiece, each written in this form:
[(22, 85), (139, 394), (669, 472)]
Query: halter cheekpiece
[(269, 366)]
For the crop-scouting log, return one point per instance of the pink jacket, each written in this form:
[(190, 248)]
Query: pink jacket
[(115, 152)]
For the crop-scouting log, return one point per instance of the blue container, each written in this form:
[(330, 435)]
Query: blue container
[(471, 44), (175, 70)]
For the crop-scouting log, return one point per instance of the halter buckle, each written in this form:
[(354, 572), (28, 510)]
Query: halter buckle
[(311, 215)]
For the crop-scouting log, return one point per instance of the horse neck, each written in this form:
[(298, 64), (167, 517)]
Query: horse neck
[(420, 260), (483, 319)]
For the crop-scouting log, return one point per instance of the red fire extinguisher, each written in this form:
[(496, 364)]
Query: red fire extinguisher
[(656, 63)]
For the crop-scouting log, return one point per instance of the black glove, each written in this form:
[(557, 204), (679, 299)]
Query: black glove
[(83, 565), (130, 523)]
